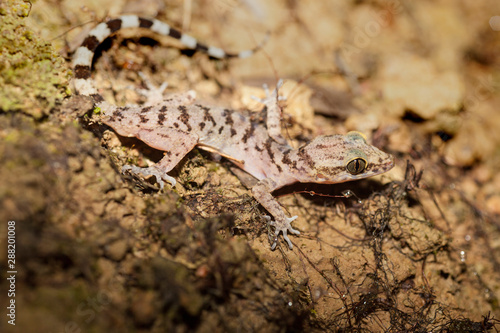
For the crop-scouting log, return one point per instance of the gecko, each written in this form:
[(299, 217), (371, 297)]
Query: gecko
[(176, 124)]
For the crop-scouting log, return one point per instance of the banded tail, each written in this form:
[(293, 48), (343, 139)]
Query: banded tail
[(82, 58)]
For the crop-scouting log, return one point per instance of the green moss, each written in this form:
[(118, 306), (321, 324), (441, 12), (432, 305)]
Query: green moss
[(33, 77)]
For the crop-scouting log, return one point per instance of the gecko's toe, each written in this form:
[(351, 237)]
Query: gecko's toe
[(285, 237), (279, 84), (284, 228), (289, 226), (151, 171), (273, 247), (153, 93), (270, 97)]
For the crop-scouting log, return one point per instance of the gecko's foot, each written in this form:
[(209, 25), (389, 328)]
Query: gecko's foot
[(150, 171), (285, 227), (154, 94), (270, 98)]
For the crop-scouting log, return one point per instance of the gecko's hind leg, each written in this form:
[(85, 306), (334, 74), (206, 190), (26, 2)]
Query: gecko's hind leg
[(273, 120), (154, 94)]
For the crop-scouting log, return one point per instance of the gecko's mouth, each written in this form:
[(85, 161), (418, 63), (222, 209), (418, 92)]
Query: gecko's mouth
[(389, 165)]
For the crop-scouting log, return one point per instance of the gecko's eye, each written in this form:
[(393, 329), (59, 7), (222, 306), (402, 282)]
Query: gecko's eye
[(356, 166)]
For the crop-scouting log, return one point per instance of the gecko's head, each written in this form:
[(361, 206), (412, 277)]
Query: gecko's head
[(342, 158)]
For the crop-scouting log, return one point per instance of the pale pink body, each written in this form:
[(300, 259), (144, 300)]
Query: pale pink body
[(177, 124)]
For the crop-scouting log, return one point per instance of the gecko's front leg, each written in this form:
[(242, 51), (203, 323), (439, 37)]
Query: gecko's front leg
[(262, 193)]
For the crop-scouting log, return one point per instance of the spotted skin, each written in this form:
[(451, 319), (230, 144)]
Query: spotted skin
[(177, 124)]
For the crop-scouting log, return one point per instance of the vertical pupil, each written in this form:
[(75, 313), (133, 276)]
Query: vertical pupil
[(356, 166)]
